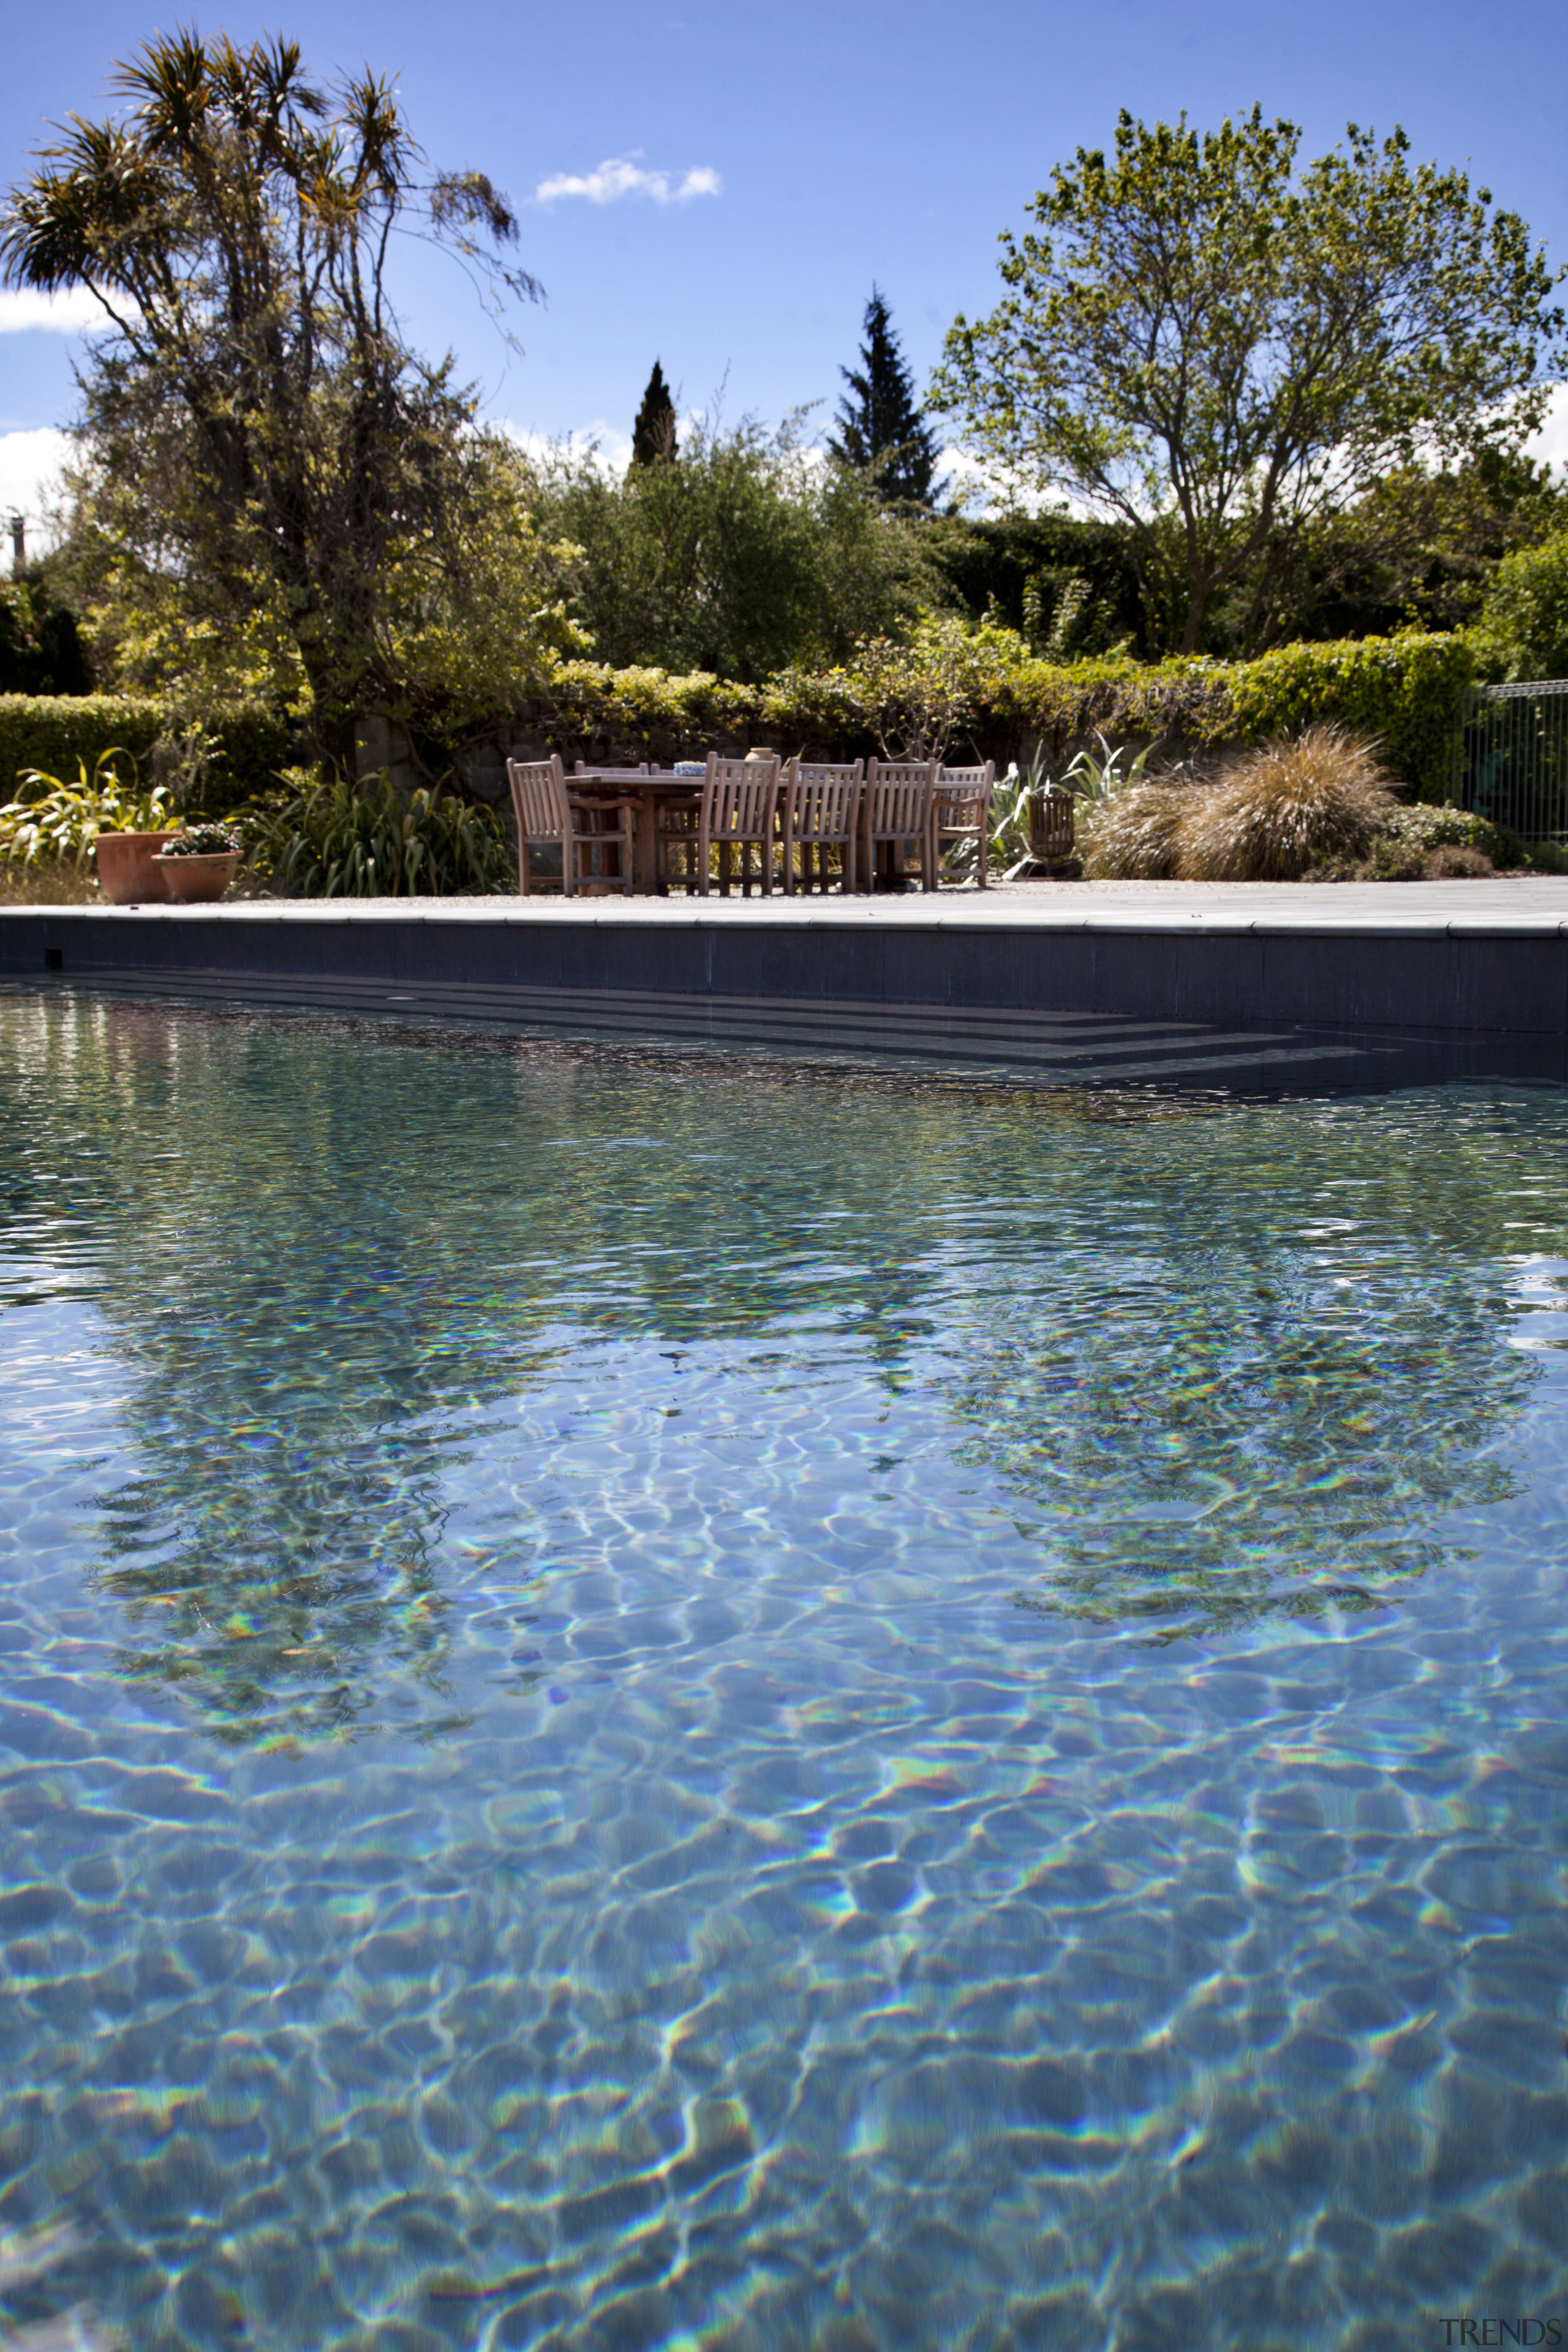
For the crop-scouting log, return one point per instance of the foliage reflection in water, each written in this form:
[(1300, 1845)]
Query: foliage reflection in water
[(655, 1708)]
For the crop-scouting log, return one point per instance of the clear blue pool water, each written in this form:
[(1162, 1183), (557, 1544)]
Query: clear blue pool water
[(653, 1705)]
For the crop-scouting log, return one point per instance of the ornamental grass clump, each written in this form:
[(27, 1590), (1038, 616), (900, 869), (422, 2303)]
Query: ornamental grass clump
[(1135, 836), (1300, 801)]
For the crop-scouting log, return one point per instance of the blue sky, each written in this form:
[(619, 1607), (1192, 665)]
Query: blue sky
[(774, 163)]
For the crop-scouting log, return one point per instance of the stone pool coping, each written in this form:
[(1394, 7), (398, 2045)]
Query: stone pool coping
[(1481, 955)]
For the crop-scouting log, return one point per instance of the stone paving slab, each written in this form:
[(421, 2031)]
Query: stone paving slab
[(1533, 903)]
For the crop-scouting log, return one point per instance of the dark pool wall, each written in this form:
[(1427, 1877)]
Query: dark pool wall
[(1487, 977)]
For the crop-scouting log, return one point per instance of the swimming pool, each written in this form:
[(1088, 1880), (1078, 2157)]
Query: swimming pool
[(648, 1705)]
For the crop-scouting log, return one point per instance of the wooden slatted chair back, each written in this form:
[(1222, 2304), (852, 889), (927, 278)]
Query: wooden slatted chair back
[(963, 795), (897, 810), (612, 775), (538, 798), (897, 798), (820, 802), (1052, 825), (738, 798)]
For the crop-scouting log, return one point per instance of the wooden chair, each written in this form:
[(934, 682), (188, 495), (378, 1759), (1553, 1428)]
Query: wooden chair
[(820, 806), (1052, 825), (960, 811), (677, 830), (896, 809), (738, 798), (676, 822), (586, 828)]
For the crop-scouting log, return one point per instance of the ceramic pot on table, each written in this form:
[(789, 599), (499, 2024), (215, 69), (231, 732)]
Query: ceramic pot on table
[(191, 881), (127, 874)]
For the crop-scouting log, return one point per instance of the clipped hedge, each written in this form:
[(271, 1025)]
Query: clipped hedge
[(53, 731), (1406, 691)]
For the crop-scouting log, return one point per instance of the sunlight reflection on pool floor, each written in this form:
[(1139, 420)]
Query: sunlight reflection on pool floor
[(647, 1710)]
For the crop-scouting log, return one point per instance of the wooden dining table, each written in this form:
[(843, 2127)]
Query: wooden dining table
[(659, 786)]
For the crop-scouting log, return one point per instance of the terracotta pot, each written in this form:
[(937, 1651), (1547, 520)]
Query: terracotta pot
[(126, 873), (191, 880)]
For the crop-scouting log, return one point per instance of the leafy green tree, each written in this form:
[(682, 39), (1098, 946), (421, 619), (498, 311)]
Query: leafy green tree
[(265, 458), (1027, 570), (41, 650), (1222, 349), (744, 558), (653, 436), (880, 429), (1421, 546), (1522, 632)]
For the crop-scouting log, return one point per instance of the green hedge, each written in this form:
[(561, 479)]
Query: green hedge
[(53, 731), (1407, 691)]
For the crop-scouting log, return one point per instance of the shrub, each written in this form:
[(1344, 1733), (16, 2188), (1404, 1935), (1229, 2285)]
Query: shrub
[(1446, 865), (1136, 835), (1296, 803), (742, 557), (342, 839), (53, 732), (977, 690), (1425, 829)]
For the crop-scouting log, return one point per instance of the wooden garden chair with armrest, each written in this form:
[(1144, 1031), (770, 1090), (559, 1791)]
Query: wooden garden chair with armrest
[(738, 798), (896, 810), (584, 826), (960, 811), (820, 808), (676, 816)]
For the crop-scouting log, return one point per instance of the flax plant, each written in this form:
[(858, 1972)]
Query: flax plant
[(340, 839), (53, 821)]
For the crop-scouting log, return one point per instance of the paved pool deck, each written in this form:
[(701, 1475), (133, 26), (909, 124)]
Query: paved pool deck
[(1074, 978)]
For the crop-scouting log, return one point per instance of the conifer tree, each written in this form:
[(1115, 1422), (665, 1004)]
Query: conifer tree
[(653, 434), (880, 427)]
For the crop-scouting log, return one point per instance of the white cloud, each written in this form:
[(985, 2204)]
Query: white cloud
[(623, 175), (26, 310), (29, 470), (608, 447)]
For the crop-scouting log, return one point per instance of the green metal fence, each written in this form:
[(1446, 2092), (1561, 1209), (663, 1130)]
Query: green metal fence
[(1510, 761)]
